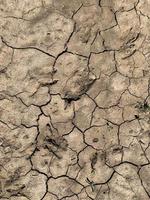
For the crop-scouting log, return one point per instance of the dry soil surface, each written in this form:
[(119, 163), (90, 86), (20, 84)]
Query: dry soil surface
[(75, 99)]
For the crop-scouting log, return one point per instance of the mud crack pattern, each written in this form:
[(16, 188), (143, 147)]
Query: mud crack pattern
[(75, 99)]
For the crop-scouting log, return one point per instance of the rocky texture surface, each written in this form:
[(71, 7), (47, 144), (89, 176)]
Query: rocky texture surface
[(75, 100)]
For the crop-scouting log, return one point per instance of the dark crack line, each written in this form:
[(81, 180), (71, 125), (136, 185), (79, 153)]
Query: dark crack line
[(25, 48)]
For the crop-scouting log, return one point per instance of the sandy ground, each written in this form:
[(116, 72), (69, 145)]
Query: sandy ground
[(75, 99)]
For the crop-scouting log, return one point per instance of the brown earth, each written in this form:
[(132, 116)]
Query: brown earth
[(75, 99)]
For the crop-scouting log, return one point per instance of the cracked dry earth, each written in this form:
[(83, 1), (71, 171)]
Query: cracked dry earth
[(75, 100)]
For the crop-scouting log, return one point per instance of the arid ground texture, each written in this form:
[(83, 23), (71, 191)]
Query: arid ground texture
[(74, 99)]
